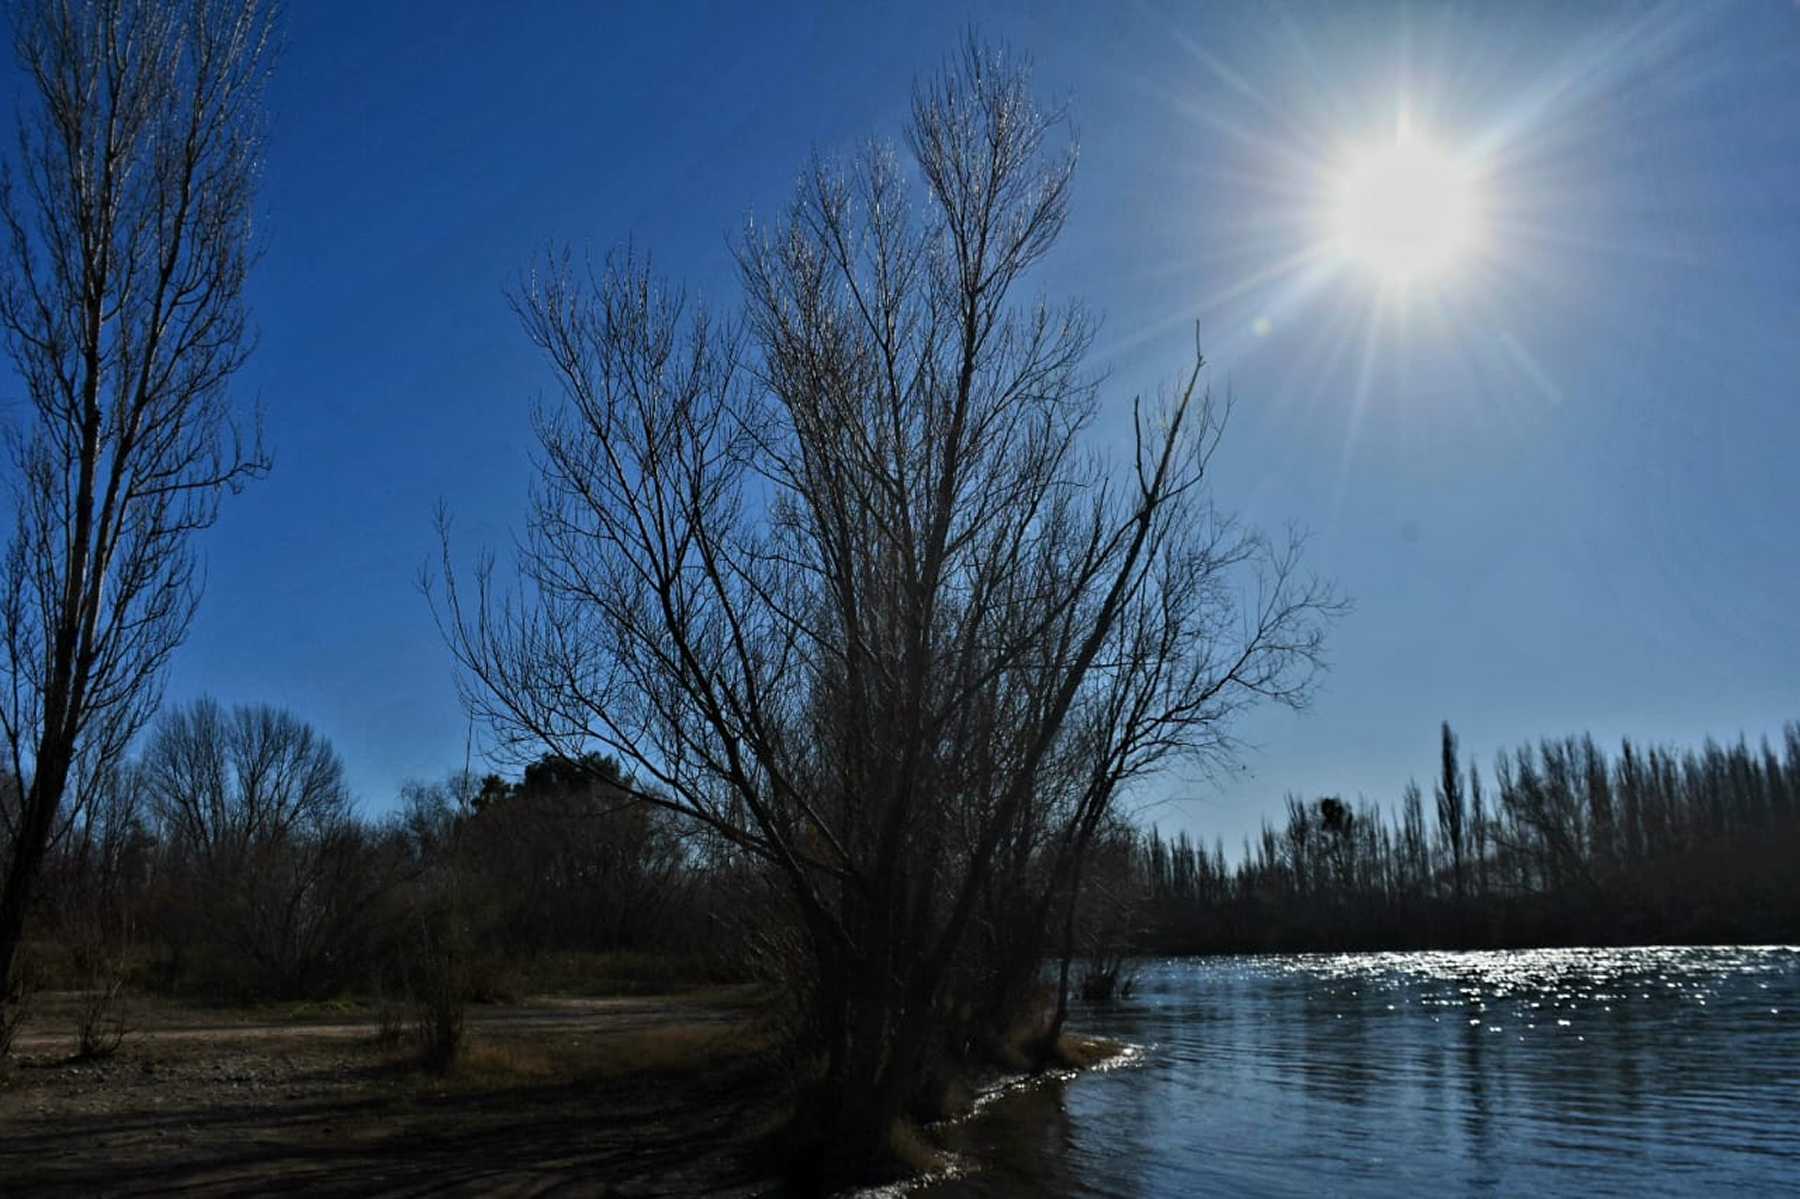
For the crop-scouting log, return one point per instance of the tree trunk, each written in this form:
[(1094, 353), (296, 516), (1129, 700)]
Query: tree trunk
[(48, 779)]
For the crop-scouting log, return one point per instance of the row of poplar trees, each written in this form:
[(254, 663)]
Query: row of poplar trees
[(1567, 843)]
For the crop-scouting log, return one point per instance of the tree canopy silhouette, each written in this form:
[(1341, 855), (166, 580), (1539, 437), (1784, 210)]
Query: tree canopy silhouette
[(841, 577), (125, 211)]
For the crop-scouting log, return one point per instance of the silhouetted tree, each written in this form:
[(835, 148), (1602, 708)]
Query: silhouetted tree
[(256, 822), (842, 582), (126, 213), (1478, 828), (573, 860), (1452, 809), (1648, 846), (1415, 848)]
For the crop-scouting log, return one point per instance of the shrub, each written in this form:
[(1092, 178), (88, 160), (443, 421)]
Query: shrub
[(101, 1017)]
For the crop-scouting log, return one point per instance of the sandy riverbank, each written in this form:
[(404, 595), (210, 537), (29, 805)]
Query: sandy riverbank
[(641, 1095)]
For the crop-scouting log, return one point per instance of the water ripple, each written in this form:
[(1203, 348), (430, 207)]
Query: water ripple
[(1603, 1071)]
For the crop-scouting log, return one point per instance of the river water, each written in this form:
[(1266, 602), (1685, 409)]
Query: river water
[(1661, 1071)]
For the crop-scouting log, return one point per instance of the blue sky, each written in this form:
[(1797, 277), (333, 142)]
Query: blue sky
[(1558, 484)]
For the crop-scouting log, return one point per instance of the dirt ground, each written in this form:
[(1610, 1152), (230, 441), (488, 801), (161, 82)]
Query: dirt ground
[(635, 1096)]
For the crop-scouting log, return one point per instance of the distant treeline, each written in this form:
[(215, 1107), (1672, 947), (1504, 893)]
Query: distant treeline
[(228, 861), (1568, 844)]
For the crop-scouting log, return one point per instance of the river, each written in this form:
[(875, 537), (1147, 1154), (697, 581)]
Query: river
[(1656, 1071)]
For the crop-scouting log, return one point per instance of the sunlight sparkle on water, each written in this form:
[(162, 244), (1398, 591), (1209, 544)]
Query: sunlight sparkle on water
[(1418, 1074)]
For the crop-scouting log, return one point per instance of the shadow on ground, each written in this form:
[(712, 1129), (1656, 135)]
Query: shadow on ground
[(627, 1138)]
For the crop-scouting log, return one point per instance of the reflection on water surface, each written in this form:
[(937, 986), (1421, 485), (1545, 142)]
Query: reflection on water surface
[(1594, 1071)]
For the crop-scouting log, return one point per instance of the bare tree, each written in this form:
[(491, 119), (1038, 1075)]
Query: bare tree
[(256, 818), (1415, 849), (126, 212), (1478, 829), (842, 580), (1452, 809), (221, 782)]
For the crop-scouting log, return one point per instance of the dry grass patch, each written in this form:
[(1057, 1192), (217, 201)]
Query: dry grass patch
[(678, 1049), (669, 1051), (510, 1061)]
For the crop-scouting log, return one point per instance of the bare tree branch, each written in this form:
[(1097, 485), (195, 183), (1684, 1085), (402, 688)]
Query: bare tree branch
[(125, 213), (842, 580)]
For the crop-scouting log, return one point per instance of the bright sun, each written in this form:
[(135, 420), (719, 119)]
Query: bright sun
[(1406, 211)]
